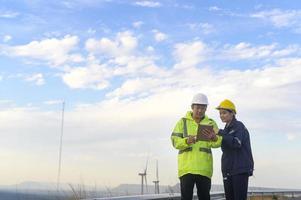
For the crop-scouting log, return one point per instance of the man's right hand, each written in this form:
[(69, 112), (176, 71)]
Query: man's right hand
[(207, 134), (191, 139), (210, 135)]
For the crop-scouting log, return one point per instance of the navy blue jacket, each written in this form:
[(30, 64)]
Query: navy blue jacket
[(237, 154)]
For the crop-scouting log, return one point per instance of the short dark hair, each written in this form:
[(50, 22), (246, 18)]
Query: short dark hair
[(198, 104), (231, 111)]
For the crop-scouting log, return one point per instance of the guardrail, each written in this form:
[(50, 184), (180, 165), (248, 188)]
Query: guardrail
[(214, 195)]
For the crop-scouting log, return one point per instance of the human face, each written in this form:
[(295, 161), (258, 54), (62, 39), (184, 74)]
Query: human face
[(226, 116), (198, 111)]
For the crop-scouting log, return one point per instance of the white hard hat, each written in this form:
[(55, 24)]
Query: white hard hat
[(199, 99)]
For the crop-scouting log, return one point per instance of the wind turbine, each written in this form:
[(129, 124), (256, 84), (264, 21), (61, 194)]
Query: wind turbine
[(143, 178), (157, 191)]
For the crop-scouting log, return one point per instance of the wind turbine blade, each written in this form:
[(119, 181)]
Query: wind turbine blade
[(157, 172), (146, 165)]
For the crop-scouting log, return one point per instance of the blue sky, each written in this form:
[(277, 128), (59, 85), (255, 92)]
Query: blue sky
[(128, 70)]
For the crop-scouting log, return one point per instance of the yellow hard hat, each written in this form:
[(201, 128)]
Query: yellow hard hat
[(227, 105)]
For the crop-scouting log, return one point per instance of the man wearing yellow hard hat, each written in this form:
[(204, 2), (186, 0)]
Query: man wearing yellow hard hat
[(195, 162), (237, 159)]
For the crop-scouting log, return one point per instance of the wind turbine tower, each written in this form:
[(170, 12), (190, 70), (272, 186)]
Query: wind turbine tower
[(143, 178), (156, 182), (60, 150)]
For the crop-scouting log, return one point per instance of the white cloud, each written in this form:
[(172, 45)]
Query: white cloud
[(134, 65), (37, 78), (159, 36), (74, 4), (204, 28), (52, 34), (281, 18), (150, 49), (91, 31), (291, 136), (6, 38), (97, 76), (151, 4), (5, 101), (267, 76), (53, 102), (54, 51), (8, 14), (131, 87), (93, 77), (278, 17), (189, 54), (137, 24), (248, 51), (119, 59), (124, 44), (184, 6), (245, 50), (231, 82), (214, 8)]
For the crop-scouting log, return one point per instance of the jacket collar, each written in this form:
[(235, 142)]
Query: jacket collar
[(231, 123)]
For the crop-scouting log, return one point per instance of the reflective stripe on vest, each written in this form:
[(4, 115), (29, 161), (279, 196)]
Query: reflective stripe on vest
[(185, 134), (185, 150), (185, 128), (206, 150), (177, 134)]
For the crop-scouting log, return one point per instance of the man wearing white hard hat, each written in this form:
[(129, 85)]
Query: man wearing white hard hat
[(195, 162)]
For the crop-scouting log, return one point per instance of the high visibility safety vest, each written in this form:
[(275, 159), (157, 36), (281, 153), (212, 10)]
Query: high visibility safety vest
[(194, 158)]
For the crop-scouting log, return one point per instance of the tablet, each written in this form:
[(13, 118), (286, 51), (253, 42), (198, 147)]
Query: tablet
[(201, 135)]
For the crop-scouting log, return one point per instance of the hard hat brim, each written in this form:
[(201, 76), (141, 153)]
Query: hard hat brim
[(221, 108)]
